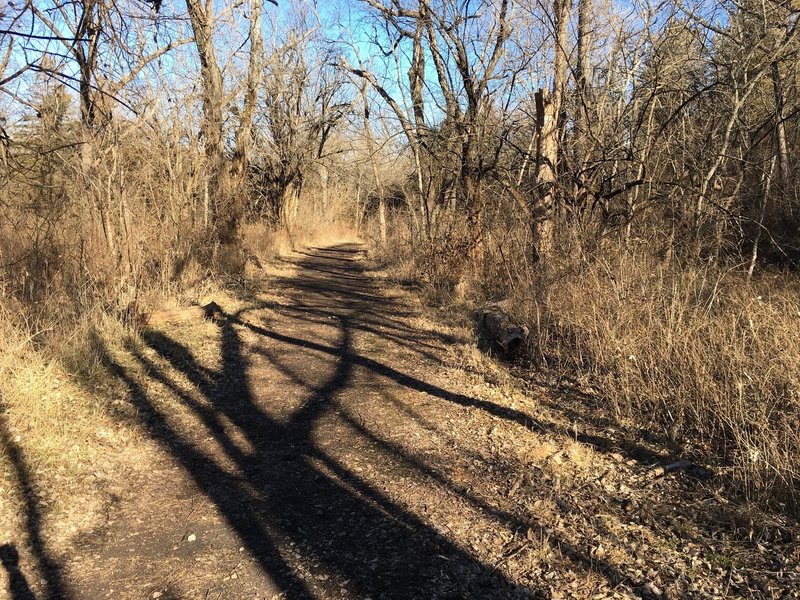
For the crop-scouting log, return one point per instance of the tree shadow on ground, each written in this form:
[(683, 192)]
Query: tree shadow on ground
[(18, 588), (48, 568), (381, 323), (317, 528)]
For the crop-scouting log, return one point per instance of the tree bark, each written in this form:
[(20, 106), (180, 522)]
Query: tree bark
[(289, 205), (781, 146), (200, 18), (549, 129), (244, 133), (502, 329), (581, 119), (765, 189), (372, 150), (545, 171)]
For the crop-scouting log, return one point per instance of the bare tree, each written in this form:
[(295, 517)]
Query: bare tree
[(549, 135), (466, 49), (255, 69), (302, 104), (372, 150), (201, 18)]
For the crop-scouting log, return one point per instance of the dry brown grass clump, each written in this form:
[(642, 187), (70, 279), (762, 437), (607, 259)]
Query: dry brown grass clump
[(698, 354), (58, 440)]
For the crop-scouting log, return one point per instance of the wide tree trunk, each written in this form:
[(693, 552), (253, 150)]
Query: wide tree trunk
[(225, 222), (472, 186), (544, 194), (290, 199)]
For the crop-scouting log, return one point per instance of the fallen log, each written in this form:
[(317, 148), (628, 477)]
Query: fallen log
[(503, 331), (211, 311)]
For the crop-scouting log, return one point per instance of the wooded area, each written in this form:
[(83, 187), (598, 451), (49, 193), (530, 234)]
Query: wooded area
[(624, 175)]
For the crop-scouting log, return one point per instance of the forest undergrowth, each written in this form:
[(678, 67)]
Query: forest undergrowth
[(699, 355), (621, 178)]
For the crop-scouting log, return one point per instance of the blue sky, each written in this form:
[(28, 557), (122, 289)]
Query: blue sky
[(343, 21)]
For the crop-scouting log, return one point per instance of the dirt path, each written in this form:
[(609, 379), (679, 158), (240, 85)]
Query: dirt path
[(288, 469), (326, 441)]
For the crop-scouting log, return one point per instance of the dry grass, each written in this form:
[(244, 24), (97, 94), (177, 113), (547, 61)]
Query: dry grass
[(68, 427), (695, 353), (699, 353), (57, 438), (87, 251), (84, 252), (318, 223)]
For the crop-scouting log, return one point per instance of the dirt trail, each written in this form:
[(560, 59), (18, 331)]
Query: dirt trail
[(329, 443), (283, 473)]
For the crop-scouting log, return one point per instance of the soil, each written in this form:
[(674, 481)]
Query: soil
[(331, 438)]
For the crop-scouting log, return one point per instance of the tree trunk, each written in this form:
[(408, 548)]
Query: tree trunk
[(549, 129), (582, 80), (781, 146), (289, 205), (471, 185), (381, 198), (416, 78), (245, 131), (225, 225), (323, 181), (766, 180), (544, 191), (358, 204), (501, 328), (85, 53), (382, 216), (372, 149)]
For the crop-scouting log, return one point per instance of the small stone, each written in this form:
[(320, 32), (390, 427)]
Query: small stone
[(192, 537)]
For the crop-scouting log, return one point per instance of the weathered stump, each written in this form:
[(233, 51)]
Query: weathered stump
[(502, 330)]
